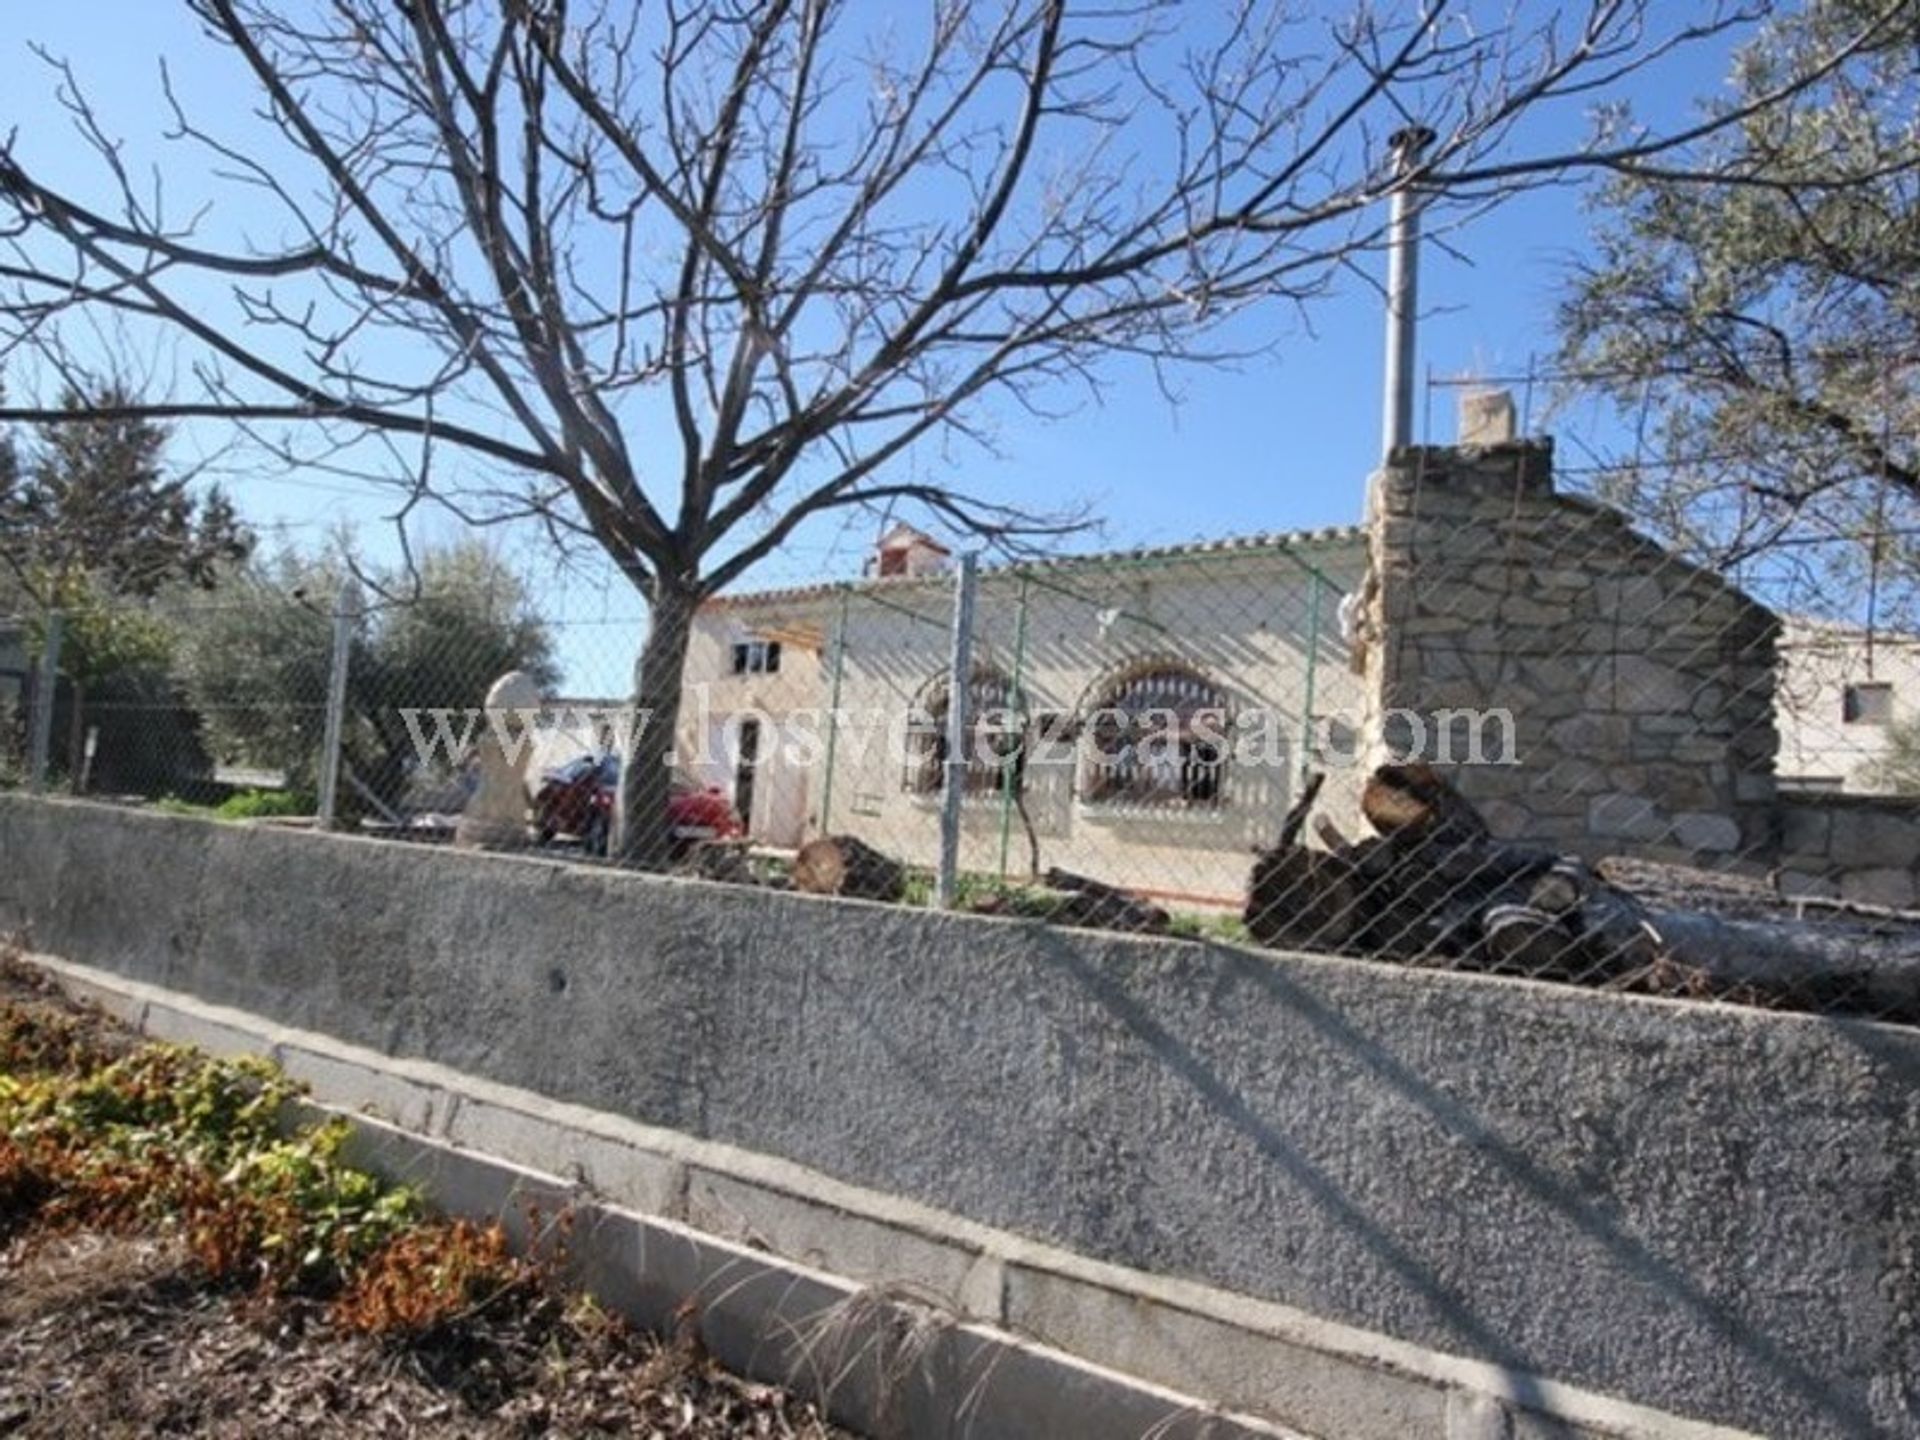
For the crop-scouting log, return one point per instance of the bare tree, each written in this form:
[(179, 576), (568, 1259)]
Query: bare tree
[(677, 278)]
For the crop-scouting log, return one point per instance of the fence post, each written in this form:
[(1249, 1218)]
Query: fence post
[(1313, 657), (346, 608), (833, 712), (40, 733), (959, 723), (1014, 769)]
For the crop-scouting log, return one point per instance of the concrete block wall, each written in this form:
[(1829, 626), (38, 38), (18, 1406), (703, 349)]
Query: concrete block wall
[(1707, 1211), (1640, 687)]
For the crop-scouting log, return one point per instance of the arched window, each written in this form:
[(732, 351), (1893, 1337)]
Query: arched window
[(1157, 735), (996, 754)]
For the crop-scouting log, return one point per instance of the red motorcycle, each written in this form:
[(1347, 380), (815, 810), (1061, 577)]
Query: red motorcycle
[(577, 799)]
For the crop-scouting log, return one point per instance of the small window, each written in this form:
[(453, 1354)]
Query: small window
[(1158, 736), (1867, 705), (996, 758), (756, 657)]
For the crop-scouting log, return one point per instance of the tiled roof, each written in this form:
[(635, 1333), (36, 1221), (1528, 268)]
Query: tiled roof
[(1196, 549)]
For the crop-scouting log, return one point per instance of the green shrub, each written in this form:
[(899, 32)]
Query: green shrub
[(247, 805), (264, 804)]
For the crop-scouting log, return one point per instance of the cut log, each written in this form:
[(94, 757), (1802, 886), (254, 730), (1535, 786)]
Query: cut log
[(1561, 887), (723, 860), (1418, 797), (1523, 940), (1102, 906), (1413, 893), (1615, 938), (843, 865), (1296, 820), (1303, 898), (1847, 967)]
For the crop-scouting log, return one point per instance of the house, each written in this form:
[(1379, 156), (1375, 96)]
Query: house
[(1147, 717), (1144, 716), (1844, 695)]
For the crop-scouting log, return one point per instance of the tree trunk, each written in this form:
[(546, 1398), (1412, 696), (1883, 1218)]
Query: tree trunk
[(643, 835), (1033, 835)]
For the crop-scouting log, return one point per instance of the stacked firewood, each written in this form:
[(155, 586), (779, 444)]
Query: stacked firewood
[(1431, 884)]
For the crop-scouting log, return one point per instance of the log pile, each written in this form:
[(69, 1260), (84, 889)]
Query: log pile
[(844, 865), (1095, 905), (1432, 886)]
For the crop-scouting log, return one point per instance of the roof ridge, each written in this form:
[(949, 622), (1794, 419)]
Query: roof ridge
[(1251, 541)]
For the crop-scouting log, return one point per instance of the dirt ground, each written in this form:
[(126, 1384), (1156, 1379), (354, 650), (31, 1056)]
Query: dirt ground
[(111, 1335)]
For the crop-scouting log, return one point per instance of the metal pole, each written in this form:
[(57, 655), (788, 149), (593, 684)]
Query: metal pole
[(959, 728), (1403, 289), (1011, 776), (40, 736), (833, 713), (1313, 656), (346, 607)]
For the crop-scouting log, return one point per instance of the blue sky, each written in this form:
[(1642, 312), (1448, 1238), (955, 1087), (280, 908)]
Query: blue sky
[(1282, 441)]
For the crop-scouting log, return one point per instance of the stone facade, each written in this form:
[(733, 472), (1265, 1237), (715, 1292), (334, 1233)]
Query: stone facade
[(1861, 848), (1623, 698)]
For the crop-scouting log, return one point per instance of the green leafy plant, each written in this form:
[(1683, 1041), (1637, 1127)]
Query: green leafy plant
[(167, 1136), (264, 804), (247, 805)]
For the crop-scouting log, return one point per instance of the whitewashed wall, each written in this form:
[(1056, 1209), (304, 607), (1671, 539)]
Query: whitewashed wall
[(1241, 618)]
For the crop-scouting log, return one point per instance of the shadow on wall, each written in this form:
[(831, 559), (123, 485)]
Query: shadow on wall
[(1710, 1211), (1449, 1307)]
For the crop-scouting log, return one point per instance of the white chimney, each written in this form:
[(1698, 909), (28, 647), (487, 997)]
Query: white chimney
[(1486, 417)]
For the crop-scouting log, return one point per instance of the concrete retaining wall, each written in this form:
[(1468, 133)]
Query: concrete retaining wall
[(1708, 1211)]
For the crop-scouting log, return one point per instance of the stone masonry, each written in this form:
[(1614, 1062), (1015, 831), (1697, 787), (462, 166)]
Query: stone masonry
[(1860, 848), (1622, 697)]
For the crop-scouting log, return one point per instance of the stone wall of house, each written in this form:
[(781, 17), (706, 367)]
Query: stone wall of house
[(1863, 848), (1623, 698)]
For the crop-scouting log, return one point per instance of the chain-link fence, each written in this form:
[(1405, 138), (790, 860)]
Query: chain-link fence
[(16, 698), (1134, 723), (1497, 728)]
